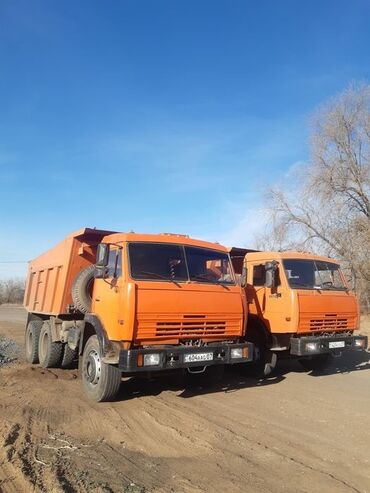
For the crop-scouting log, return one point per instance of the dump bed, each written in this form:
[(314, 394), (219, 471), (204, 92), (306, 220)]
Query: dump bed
[(51, 275)]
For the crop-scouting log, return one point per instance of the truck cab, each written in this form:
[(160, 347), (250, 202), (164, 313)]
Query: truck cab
[(300, 305), (166, 290)]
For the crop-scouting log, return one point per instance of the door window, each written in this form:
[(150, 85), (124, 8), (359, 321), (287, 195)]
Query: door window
[(114, 268), (259, 275)]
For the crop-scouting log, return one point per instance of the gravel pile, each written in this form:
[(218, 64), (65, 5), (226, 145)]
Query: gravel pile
[(9, 351)]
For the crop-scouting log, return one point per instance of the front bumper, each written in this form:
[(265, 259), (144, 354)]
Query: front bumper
[(306, 346), (131, 360)]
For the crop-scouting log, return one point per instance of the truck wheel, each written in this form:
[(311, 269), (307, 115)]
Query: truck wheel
[(69, 356), (261, 338), (82, 289), (264, 366), (32, 337), (317, 362), (101, 381), (50, 353)]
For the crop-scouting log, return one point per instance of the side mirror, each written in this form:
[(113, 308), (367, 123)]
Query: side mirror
[(102, 255), (243, 278), (102, 258), (271, 278)]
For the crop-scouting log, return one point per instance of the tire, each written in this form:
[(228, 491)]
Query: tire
[(261, 338), (82, 288), (32, 337), (69, 356), (50, 353), (263, 367), (101, 381), (318, 362)]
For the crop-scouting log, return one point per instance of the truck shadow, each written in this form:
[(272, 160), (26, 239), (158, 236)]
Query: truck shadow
[(349, 362), (232, 381), (235, 378)]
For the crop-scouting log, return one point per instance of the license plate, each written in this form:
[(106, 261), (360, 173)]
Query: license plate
[(335, 344), (191, 358)]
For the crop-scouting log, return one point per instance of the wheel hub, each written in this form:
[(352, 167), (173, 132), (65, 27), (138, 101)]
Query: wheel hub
[(93, 367)]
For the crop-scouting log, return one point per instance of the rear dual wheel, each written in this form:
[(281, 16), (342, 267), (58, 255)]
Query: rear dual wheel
[(50, 353), (32, 337), (40, 348), (69, 357)]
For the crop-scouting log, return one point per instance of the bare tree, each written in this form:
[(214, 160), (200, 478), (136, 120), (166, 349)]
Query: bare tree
[(326, 206), (11, 290)]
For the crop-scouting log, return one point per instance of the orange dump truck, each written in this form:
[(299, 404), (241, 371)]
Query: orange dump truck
[(299, 305), (133, 303)]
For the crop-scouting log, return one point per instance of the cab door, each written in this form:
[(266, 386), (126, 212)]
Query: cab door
[(107, 292), (270, 304)]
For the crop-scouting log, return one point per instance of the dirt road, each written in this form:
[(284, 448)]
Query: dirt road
[(294, 432)]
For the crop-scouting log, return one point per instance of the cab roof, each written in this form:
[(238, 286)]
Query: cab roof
[(267, 256), (162, 238)]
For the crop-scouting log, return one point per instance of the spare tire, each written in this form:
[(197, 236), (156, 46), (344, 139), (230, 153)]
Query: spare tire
[(82, 289)]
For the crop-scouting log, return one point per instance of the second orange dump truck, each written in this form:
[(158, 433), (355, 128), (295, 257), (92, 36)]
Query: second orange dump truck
[(299, 306), (126, 304)]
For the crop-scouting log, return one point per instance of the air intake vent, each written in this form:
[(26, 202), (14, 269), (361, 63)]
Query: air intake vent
[(331, 322), (169, 326), (191, 326)]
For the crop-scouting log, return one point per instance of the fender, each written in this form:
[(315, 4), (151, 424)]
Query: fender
[(257, 332), (109, 349)]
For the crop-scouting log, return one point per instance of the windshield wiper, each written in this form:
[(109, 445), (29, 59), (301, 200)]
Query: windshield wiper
[(304, 285), (158, 276), (203, 277), (331, 287)]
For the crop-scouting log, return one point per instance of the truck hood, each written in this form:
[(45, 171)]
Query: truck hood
[(188, 311), (327, 311)]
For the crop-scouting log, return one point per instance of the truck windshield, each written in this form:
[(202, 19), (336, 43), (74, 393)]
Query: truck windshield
[(155, 261), (313, 274)]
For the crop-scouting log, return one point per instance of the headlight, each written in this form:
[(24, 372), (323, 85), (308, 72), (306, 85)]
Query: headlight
[(236, 353), (152, 359), (311, 346), (359, 342)]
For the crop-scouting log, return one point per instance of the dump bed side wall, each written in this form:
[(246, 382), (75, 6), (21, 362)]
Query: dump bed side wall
[(51, 275)]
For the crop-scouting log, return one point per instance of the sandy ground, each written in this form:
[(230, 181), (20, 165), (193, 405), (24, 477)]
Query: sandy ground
[(296, 431)]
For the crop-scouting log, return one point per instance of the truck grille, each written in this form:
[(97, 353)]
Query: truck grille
[(329, 323), (188, 327), (191, 328)]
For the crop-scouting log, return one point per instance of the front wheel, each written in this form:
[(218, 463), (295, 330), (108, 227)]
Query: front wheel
[(317, 362), (101, 381), (264, 366)]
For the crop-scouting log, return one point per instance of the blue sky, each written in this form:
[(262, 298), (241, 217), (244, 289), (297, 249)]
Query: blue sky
[(160, 115)]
